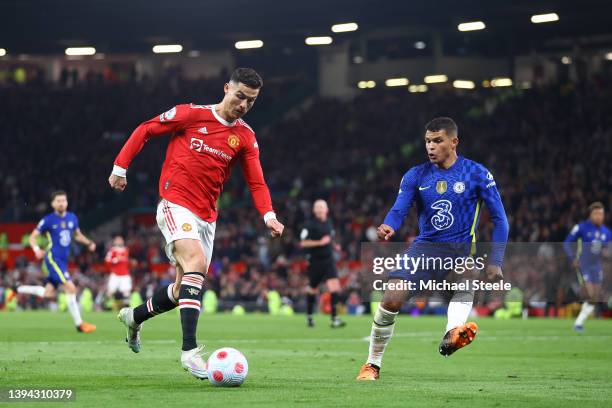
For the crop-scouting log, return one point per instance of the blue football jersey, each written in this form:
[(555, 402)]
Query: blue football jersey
[(593, 240), (449, 203), (59, 231)]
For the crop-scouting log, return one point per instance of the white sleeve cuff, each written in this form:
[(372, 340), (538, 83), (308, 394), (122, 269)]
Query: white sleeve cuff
[(270, 215), (119, 171)]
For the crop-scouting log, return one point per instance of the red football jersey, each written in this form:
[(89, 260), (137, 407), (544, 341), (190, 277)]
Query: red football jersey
[(202, 149), (118, 260)]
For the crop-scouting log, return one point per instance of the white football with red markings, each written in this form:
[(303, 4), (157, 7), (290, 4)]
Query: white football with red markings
[(227, 367)]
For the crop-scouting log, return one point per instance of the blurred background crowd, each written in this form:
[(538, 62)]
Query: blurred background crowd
[(548, 148)]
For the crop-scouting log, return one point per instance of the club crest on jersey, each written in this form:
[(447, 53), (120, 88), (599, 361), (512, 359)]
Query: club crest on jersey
[(70, 224), (441, 186), (168, 115), (459, 187), (186, 227), (233, 141)]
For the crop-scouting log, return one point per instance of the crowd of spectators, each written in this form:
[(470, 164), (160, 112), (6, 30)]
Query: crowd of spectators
[(548, 149)]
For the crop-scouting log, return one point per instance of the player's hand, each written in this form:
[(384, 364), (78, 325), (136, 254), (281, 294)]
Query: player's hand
[(275, 227), (117, 183), (385, 232), (325, 240), (91, 246), (39, 253), (494, 273)]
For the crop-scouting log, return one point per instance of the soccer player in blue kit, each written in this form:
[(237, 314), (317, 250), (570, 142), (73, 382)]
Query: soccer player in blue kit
[(448, 192), (59, 227), (594, 237)]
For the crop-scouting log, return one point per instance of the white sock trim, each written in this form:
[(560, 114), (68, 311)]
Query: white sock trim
[(383, 317)]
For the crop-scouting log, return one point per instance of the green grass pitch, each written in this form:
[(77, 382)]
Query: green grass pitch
[(518, 363)]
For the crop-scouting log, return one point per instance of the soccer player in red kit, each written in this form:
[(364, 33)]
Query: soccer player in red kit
[(206, 141), (118, 261)]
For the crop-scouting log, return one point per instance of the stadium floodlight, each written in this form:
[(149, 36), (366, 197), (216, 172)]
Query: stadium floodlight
[(249, 44), (464, 84), (366, 84), (397, 82), (344, 27), (326, 40), (609, 56), (79, 51), (501, 81), (565, 60), (435, 79), (471, 26), (417, 88), (167, 48), (420, 45), (2, 52), (544, 18)]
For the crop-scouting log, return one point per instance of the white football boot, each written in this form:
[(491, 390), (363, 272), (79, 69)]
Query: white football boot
[(126, 316), (193, 361)]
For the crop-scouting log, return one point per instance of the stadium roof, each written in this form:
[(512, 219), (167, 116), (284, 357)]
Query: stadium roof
[(32, 26)]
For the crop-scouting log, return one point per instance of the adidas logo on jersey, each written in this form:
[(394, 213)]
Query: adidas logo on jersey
[(203, 130)]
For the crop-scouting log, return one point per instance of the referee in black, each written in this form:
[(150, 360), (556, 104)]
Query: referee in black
[(316, 237)]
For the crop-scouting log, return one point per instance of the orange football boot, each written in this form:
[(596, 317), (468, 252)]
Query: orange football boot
[(86, 328), (457, 338), (368, 372)]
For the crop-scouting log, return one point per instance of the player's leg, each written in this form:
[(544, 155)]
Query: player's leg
[(458, 333), (35, 290), (125, 288), (382, 329), (333, 286), (191, 256), (311, 298), (74, 308), (592, 289)]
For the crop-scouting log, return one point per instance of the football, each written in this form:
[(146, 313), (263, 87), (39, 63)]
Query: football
[(227, 367)]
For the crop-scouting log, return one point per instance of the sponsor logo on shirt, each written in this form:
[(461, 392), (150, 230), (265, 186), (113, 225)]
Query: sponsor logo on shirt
[(199, 146)]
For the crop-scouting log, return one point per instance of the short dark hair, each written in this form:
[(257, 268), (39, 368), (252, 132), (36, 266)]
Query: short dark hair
[(58, 193), (597, 205), (442, 123), (247, 76)]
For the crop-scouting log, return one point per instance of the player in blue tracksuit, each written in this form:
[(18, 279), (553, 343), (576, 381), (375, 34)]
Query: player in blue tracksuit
[(59, 227), (449, 192), (592, 237)]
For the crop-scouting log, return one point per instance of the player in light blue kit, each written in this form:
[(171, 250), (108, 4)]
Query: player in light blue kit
[(592, 237), (59, 227), (448, 192)]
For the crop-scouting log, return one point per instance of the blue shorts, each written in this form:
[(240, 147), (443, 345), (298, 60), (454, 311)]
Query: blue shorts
[(590, 274), (57, 271), (432, 261)]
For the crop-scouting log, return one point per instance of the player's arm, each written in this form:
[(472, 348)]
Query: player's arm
[(82, 239), (574, 235), (405, 198), (312, 243), (491, 197), (253, 174), (168, 122), (38, 251)]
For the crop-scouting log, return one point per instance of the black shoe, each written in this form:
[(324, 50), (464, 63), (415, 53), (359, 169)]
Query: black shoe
[(336, 323), (310, 322)]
